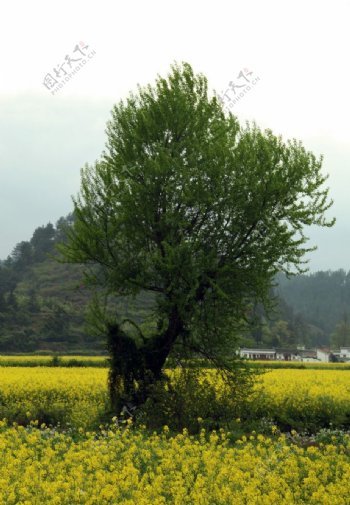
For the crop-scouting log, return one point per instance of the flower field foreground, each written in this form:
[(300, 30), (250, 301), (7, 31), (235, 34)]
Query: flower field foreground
[(41, 466)]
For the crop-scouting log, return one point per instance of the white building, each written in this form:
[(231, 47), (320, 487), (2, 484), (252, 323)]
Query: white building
[(257, 353), (323, 355), (306, 355), (287, 355), (344, 353)]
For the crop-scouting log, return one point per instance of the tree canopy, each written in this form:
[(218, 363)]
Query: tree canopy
[(188, 204)]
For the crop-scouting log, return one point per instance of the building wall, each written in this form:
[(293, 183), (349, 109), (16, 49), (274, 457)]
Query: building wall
[(322, 355)]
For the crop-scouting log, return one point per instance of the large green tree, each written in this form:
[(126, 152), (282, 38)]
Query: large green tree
[(201, 212)]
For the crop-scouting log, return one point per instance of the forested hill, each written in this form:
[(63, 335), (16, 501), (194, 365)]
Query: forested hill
[(41, 301), (312, 310), (43, 304), (323, 299)]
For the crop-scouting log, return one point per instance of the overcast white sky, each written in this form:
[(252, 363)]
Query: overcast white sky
[(299, 50)]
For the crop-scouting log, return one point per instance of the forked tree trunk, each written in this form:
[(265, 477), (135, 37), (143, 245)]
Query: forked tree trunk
[(134, 370)]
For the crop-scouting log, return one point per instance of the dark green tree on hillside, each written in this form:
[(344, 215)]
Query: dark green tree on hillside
[(42, 241), (341, 335), (202, 212), (22, 255)]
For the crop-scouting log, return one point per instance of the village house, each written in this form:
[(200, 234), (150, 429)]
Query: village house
[(323, 355), (344, 353), (275, 354), (306, 355), (287, 355), (258, 353)]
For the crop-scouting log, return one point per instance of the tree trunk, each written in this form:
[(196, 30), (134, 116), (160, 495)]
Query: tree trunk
[(134, 370)]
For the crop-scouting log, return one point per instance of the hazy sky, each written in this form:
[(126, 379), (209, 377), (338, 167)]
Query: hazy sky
[(299, 51)]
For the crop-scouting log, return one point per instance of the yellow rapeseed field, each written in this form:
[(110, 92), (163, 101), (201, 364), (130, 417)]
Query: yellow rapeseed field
[(306, 385), (306, 398), (70, 395), (79, 395), (131, 466)]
